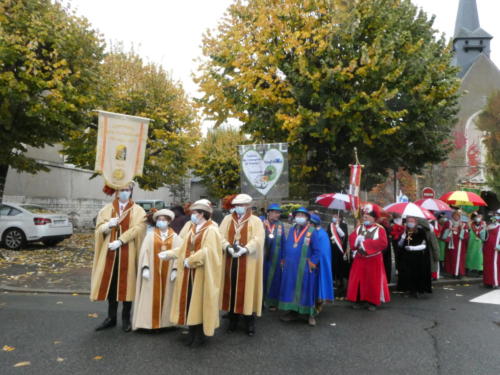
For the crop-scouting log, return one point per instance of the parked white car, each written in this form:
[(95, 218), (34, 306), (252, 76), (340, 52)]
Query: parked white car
[(22, 223)]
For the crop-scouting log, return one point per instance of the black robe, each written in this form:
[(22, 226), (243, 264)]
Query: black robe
[(340, 267), (414, 275)]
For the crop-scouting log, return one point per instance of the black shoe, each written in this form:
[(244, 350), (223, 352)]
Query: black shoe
[(107, 323), (251, 330), (126, 326), (233, 325)]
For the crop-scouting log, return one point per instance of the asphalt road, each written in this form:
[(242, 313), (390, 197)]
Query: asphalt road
[(444, 334)]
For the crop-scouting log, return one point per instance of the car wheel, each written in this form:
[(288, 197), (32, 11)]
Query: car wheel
[(14, 239), (52, 241)]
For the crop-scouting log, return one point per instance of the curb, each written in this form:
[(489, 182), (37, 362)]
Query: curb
[(14, 289), (392, 287)]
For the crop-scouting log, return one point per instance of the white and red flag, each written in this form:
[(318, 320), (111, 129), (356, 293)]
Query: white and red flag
[(354, 185)]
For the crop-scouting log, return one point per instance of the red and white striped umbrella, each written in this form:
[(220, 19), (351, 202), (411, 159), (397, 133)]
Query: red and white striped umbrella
[(335, 201), (433, 204), (405, 209), (428, 214)]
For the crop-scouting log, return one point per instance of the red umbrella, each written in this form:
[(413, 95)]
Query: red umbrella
[(433, 204), (463, 198), (428, 214), (335, 201)]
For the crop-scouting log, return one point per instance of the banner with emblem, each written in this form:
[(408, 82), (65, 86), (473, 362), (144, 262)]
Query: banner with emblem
[(264, 170), (121, 146)]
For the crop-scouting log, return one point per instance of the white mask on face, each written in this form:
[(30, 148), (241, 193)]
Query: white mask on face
[(161, 224), (124, 195), (300, 220), (195, 219), (398, 221), (240, 210), (334, 220)]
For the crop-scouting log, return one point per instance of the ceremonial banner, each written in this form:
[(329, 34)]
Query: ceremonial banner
[(121, 145), (354, 186), (264, 170)]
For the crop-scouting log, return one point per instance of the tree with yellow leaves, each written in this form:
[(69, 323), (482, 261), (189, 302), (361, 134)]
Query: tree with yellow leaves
[(130, 86), (328, 75)]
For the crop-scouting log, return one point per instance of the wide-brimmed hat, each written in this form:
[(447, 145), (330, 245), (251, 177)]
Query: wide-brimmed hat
[(315, 219), (302, 210), (274, 207), (164, 212), (202, 204), (242, 199)]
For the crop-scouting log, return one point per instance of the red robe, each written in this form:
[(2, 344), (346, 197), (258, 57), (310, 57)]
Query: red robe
[(491, 258), (367, 280), (456, 249)]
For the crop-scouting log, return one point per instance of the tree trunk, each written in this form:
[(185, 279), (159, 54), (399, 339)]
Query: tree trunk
[(3, 178)]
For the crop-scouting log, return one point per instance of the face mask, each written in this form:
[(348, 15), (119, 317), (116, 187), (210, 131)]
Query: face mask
[(464, 218), (124, 195), (231, 210), (410, 225), (300, 220), (398, 221), (367, 223), (334, 219), (161, 224), (497, 218), (477, 219), (195, 219), (240, 210)]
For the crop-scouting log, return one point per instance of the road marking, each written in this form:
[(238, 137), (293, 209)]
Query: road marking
[(490, 297)]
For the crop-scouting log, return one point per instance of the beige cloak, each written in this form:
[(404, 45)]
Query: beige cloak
[(153, 297), (131, 230), (203, 252), (248, 232)]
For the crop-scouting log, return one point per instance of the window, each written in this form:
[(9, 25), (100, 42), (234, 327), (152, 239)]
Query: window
[(4, 210), (159, 205), (14, 212)]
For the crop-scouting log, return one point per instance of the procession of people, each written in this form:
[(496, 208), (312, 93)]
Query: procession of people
[(186, 269)]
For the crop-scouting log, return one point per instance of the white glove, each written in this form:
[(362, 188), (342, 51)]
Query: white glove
[(403, 236), (186, 263), (408, 248), (359, 239), (241, 251), (173, 275), (113, 222), (115, 245), (146, 274), (163, 255), (231, 252)]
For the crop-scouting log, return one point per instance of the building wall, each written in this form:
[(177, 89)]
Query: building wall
[(68, 190)]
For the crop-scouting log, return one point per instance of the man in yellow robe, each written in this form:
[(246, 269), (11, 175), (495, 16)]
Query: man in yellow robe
[(197, 286), (156, 277), (120, 229), (243, 243)]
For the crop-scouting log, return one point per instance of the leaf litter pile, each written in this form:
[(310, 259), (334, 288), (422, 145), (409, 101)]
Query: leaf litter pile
[(65, 266)]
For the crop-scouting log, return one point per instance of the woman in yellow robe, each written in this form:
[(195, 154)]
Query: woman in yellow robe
[(155, 276), (196, 292)]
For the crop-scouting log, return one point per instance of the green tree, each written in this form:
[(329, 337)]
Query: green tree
[(328, 75), (489, 122), (48, 63), (218, 162), (130, 86)]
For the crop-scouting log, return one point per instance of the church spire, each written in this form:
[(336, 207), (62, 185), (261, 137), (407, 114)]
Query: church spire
[(467, 16), (470, 40)]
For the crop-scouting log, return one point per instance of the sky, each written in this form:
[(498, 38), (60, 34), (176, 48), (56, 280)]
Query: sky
[(169, 32)]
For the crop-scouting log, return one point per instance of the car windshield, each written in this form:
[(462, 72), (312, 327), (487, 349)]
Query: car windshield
[(146, 205), (37, 209)]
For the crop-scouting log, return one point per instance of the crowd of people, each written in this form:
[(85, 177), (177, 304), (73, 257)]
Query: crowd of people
[(182, 267)]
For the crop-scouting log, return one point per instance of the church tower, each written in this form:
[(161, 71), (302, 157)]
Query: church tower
[(469, 40)]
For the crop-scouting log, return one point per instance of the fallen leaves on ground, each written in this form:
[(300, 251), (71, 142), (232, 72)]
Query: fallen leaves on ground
[(59, 359), (98, 358), (93, 315), (7, 348), (22, 364), (57, 342)]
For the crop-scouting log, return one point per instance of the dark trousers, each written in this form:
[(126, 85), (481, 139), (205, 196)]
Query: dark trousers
[(112, 302), (233, 318)]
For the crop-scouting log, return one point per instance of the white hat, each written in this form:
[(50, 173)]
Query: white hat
[(242, 199), (164, 212), (202, 204)]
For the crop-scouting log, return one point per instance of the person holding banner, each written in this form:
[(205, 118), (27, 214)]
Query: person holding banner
[(338, 233), (367, 279), (456, 235), (120, 229), (307, 280), (273, 253), (156, 277), (195, 300), (242, 281), (491, 254)]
